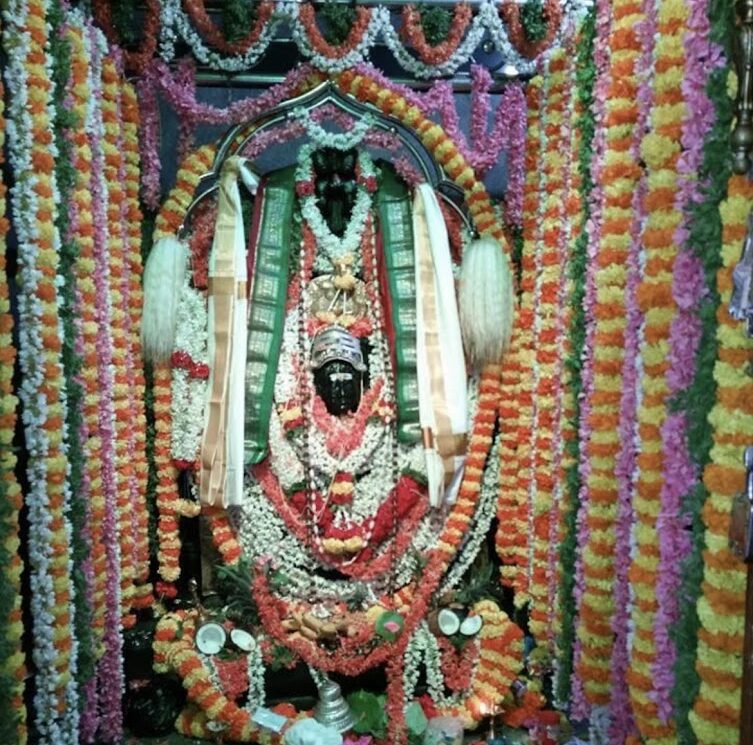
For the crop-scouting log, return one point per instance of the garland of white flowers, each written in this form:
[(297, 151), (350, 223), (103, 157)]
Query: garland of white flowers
[(189, 391), (380, 17), (176, 25), (423, 647), (257, 692), (17, 42), (320, 137), (331, 246)]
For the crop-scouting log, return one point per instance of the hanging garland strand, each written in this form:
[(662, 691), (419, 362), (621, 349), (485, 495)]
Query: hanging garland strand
[(12, 667), (67, 122), (584, 125), (710, 33), (34, 201), (131, 219)]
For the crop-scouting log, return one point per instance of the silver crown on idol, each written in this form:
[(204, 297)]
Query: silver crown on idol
[(335, 343)]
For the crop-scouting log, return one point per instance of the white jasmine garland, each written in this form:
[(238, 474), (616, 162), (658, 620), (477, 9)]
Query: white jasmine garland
[(320, 137), (176, 26), (379, 17), (331, 246), (176, 23), (188, 391), (256, 689)]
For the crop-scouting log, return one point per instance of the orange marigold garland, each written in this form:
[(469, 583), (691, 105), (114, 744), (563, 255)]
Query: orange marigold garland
[(197, 12), (84, 235), (550, 271), (116, 247), (552, 11), (721, 608), (660, 150), (12, 661), (412, 32)]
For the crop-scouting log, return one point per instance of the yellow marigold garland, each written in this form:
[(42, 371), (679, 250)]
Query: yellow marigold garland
[(500, 652), (546, 343), (170, 507), (619, 175), (563, 429), (513, 539), (721, 608), (136, 381), (660, 150), (12, 666), (175, 651), (117, 260)]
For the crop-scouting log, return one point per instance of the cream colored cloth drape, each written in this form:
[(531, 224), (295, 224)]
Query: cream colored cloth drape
[(442, 380), (221, 477)]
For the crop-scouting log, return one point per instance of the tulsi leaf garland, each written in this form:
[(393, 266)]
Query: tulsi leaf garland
[(704, 236), (35, 199), (12, 667), (67, 121), (585, 126)]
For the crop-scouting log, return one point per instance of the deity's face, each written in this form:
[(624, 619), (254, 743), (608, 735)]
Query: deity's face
[(339, 385)]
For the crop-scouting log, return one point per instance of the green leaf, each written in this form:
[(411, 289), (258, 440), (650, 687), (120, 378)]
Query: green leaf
[(415, 719), (369, 713)]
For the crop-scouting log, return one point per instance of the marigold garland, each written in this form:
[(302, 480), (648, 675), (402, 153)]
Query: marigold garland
[(170, 506), (197, 12), (513, 540), (307, 16), (118, 300), (138, 59), (83, 231), (12, 665), (600, 438), (553, 227), (412, 31), (564, 405), (499, 661), (582, 153), (174, 650), (131, 218), (660, 150), (721, 608), (551, 10)]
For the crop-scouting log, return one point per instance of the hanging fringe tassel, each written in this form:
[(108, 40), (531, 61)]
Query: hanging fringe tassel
[(486, 301), (164, 275)]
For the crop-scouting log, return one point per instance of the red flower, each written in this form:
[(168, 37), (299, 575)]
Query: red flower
[(429, 707), (200, 370), (304, 188)]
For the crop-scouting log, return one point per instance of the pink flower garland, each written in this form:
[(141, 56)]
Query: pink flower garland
[(680, 474), (621, 717), (580, 707), (109, 670), (507, 131)]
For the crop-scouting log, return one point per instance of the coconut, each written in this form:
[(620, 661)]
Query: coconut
[(448, 621)]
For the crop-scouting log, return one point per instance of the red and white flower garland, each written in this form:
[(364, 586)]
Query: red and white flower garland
[(34, 204)]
